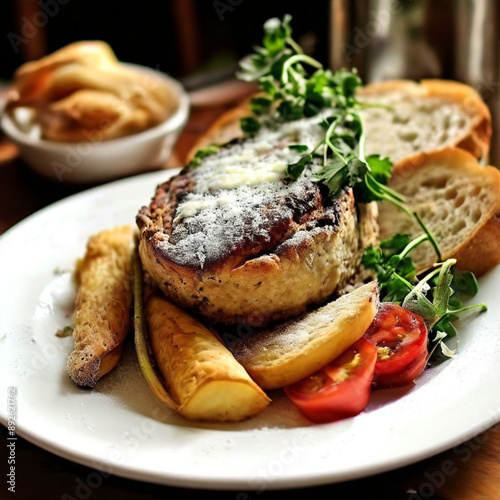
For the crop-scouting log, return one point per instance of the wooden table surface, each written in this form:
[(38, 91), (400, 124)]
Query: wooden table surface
[(470, 471)]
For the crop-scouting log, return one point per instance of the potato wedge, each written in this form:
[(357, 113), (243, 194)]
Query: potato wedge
[(199, 371), (294, 349), (103, 305)]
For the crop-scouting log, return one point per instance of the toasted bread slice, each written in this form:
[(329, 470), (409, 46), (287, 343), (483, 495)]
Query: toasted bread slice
[(458, 200), (415, 117), (295, 349), (103, 305)]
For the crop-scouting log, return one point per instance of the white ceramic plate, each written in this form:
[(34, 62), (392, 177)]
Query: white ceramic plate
[(119, 428)]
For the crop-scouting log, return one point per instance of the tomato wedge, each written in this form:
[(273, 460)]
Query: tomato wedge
[(401, 341), (339, 390)]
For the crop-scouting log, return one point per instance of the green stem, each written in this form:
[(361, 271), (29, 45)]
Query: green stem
[(384, 193), (295, 59), (295, 46), (413, 244), (482, 307), (328, 143), (432, 240), (400, 278)]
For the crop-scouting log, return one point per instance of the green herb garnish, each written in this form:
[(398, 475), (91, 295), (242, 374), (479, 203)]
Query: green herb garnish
[(432, 299), (395, 270), (201, 154), (297, 86), (249, 125), (301, 88)]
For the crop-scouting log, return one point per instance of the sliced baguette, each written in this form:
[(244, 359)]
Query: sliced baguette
[(421, 117), (297, 348), (458, 200), (426, 116)]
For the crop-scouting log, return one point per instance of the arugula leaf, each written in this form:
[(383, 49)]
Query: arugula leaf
[(435, 306)]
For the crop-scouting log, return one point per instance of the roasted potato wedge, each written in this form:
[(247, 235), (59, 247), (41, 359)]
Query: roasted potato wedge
[(103, 305), (291, 351), (200, 373)]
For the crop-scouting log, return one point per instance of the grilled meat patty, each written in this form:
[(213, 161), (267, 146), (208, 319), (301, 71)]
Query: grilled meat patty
[(237, 242)]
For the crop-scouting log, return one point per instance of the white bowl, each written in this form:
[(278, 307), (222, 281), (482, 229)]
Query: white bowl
[(92, 161)]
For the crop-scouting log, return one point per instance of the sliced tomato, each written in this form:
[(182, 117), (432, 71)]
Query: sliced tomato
[(401, 341), (339, 390)]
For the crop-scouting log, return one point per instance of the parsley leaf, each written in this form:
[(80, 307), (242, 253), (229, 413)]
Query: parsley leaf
[(381, 168), (295, 170)]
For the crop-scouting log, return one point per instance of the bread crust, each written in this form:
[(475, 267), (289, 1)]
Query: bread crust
[(476, 140), (480, 251), (295, 349)]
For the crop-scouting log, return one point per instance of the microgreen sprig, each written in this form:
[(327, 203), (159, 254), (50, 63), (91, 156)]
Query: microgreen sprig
[(281, 68)]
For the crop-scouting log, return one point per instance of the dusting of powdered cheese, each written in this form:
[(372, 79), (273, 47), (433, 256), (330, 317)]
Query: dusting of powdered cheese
[(256, 162), (232, 220), (239, 193)]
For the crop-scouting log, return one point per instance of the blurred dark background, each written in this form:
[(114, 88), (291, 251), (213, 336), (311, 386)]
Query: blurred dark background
[(185, 38), (201, 41)]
